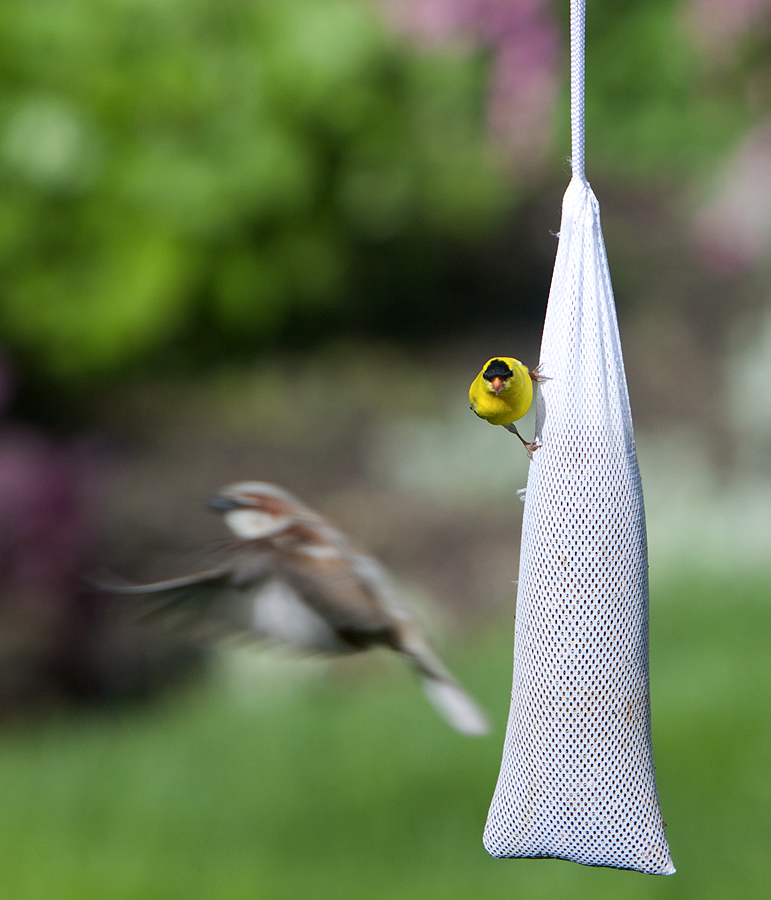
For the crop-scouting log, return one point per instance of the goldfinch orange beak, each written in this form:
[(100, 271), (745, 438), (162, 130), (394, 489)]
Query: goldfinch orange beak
[(497, 384)]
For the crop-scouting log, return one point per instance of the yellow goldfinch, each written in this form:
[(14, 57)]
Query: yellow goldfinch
[(503, 392)]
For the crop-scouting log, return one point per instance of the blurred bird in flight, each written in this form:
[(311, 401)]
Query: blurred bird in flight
[(502, 393), (291, 577)]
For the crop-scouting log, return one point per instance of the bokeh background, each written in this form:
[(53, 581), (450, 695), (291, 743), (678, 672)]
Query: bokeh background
[(250, 239)]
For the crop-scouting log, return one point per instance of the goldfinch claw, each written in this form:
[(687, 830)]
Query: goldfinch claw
[(530, 446), (537, 377)]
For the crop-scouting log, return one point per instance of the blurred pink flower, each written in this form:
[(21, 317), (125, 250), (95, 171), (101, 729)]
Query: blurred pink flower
[(43, 535), (523, 40), (45, 542), (57, 642), (716, 25), (732, 231)]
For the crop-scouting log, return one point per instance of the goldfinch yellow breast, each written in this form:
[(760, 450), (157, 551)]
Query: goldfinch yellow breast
[(502, 392)]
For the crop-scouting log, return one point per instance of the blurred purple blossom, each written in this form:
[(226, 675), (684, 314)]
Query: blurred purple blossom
[(716, 25), (43, 533), (523, 40), (732, 229), (45, 613), (57, 641)]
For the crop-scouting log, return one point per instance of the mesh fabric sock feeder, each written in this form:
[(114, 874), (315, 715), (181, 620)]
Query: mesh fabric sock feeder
[(577, 780)]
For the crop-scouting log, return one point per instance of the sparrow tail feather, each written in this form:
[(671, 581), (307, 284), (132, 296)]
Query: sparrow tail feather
[(449, 699), (456, 706)]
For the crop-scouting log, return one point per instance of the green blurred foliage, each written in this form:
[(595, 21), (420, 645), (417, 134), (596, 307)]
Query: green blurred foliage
[(351, 787), (656, 105), (183, 178), (173, 165)]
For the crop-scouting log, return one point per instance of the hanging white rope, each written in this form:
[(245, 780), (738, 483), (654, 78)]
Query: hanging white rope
[(577, 80), (577, 780)]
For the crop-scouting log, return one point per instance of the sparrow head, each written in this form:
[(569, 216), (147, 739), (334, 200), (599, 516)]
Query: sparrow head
[(497, 374), (259, 495), (256, 509)]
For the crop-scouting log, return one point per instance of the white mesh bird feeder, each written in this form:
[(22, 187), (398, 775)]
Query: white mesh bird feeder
[(577, 780)]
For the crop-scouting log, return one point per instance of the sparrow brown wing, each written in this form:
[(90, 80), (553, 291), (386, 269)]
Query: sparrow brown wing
[(203, 605), (261, 593), (355, 597), (333, 587), (322, 596)]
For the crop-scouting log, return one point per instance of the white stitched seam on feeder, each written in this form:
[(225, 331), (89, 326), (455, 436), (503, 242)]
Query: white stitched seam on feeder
[(577, 780)]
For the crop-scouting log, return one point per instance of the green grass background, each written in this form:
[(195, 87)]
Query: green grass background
[(350, 787)]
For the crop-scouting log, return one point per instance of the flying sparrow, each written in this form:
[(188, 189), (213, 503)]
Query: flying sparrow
[(294, 578)]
